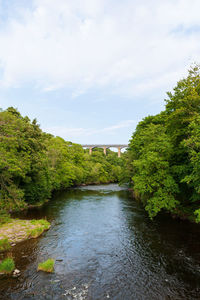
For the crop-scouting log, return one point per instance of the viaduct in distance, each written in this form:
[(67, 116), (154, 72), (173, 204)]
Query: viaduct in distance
[(118, 146)]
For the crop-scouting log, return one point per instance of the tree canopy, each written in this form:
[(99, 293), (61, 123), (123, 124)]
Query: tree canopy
[(34, 163)]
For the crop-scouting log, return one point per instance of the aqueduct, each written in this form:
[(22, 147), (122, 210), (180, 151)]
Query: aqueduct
[(118, 146)]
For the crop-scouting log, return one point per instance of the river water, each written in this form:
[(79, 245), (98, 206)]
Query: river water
[(105, 247)]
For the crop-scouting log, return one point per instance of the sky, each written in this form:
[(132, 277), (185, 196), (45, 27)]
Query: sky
[(90, 70)]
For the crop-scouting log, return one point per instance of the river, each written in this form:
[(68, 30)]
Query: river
[(106, 247)]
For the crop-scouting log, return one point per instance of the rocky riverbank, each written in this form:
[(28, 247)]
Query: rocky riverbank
[(16, 231)]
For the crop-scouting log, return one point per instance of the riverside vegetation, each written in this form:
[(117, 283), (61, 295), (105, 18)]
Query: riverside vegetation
[(163, 159)]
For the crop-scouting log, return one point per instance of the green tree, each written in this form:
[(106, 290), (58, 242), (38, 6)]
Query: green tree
[(33, 163), (162, 161)]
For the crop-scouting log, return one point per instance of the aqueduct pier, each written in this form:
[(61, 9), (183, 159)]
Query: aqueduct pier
[(118, 146)]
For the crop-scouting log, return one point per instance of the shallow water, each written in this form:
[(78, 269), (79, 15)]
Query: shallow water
[(105, 247)]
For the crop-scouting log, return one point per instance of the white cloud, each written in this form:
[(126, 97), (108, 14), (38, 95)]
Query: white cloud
[(75, 134), (115, 127), (129, 47)]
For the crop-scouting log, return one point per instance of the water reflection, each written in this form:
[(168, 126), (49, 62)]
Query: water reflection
[(105, 246)]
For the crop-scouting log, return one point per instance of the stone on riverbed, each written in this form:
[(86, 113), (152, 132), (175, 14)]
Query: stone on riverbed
[(16, 273)]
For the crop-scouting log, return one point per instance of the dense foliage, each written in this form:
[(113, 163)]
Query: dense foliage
[(163, 158), (34, 163)]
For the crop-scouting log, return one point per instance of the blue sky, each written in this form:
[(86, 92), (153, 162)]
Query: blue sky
[(90, 70)]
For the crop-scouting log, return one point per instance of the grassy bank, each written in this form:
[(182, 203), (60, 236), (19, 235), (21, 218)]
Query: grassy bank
[(15, 231)]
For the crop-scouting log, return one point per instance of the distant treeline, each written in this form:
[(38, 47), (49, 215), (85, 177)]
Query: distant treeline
[(34, 163), (163, 158)]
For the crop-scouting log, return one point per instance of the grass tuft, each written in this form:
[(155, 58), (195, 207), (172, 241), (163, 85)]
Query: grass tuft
[(41, 225), (47, 266), (34, 233), (4, 244), (7, 266)]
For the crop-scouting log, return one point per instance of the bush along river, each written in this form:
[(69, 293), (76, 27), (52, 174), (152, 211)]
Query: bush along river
[(105, 247)]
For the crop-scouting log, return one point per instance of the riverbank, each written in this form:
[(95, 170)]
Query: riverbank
[(184, 213), (15, 231)]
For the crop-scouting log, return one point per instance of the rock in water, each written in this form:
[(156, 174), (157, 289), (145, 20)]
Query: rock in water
[(16, 273)]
